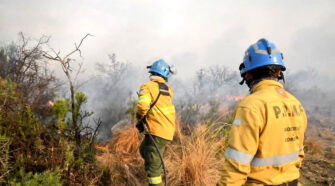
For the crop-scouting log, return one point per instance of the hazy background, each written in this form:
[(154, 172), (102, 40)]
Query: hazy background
[(189, 34)]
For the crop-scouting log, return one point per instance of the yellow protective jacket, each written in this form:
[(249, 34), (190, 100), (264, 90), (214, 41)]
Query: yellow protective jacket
[(161, 118), (266, 139)]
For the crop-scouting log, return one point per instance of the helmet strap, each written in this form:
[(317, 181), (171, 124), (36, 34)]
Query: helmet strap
[(247, 78), (242, 82), (281, 77), (170, 71), (248, 81)]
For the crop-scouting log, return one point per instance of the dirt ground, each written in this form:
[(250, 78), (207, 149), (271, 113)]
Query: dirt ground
[(317, 171), (319, 163)]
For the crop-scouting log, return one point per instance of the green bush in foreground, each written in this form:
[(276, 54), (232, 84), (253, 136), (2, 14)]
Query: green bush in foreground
[(47, 178), (32, 149)]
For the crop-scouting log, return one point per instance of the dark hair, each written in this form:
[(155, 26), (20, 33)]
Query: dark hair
[(156, 74), (269, 71)]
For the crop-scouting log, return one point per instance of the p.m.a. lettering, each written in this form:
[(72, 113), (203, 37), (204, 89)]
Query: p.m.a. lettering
[(287, 110)]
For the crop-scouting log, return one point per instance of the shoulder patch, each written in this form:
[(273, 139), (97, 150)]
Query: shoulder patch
[(282, 92), (237, 122)]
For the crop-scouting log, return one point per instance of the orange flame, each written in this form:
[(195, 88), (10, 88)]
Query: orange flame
[(51, 103), (234, 98)]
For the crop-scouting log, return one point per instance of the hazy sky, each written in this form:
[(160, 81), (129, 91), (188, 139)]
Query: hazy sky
[(187, 33)]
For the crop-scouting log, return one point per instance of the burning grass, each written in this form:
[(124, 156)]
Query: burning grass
[(193, 159)]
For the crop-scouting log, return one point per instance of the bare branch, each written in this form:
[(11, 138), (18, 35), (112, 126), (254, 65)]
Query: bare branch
[(77, 48), (98, 123), (78, 71), (84, 82), (46, 55), (3, 175), (66, 62), (82, 42)]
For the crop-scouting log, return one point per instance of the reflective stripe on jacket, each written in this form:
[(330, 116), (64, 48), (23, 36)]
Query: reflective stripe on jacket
[(266, 140), (161, 118)]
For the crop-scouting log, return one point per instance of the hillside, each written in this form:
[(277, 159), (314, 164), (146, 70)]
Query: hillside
[(196, 155)]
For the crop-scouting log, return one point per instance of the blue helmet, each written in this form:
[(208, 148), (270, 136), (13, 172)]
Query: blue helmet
[(260, 54), (160, 67)]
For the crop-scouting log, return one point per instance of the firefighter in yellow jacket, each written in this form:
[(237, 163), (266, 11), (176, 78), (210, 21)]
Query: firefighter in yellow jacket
[(156, 109), (266, 140)]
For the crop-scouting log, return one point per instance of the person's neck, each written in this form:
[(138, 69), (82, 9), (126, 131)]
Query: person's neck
[(153, 77), (255, 82)]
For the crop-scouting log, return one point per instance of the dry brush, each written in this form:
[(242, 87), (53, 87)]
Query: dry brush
[(193, 159)]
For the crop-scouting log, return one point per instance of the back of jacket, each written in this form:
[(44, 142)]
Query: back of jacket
[(161, 118), (266, 139)]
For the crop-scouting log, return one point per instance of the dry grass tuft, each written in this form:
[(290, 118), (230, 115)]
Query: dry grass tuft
[(330, 153), (121, 156), (327, 134), (193, 159), (313, 146)]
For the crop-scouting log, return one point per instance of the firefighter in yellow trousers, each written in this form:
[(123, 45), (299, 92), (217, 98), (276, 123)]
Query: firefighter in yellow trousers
[(156, 109), (266, 140)]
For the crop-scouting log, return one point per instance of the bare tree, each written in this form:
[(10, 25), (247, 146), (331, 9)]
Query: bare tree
[(214, 78), (115, 84), (115, 71), (66, 62), (23, 63), (218, 76), (200, 80)]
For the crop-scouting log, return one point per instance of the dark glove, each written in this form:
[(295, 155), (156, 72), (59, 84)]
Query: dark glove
[(140, 126)]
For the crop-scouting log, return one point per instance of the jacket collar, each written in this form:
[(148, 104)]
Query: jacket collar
[(264, 84), (157, 78)]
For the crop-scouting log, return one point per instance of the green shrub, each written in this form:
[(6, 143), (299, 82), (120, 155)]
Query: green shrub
[(4, 155), (46, 178), (36, 148)]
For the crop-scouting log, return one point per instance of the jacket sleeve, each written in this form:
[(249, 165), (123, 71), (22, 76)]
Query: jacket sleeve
[(301, 152), (242, 146), (144, 101)]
